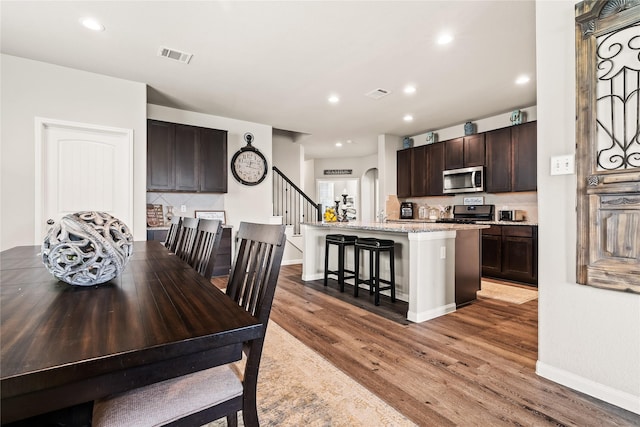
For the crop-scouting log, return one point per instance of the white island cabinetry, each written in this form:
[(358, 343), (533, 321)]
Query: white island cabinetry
[(427, 274)]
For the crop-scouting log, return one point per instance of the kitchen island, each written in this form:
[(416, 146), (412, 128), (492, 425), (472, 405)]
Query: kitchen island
[(437, 265)]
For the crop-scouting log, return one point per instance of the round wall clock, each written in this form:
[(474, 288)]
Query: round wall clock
[(248, 165)]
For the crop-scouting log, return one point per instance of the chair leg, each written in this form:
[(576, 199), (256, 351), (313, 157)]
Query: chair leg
[(341, 267), (232, 420), (377, 279), (326, 262), (393, 275), (371, 269), (356, 282)]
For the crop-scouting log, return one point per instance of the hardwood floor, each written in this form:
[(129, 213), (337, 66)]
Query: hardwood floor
[(472, 367)]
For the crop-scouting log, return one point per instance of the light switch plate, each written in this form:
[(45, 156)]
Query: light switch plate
[(563, 165)]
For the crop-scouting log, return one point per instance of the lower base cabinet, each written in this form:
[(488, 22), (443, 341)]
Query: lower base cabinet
[(510, 252), (223, 257)]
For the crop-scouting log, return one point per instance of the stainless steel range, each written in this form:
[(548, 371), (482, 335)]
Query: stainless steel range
[(469, 214)]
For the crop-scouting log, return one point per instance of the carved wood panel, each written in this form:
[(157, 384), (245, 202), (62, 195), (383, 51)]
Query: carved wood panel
[(608, 143)]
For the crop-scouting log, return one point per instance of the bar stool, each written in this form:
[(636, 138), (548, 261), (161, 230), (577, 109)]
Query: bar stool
[(375, 247), (342, 241)]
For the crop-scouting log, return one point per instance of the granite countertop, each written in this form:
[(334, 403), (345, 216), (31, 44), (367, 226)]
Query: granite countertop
[(432, 221), (410, 226)]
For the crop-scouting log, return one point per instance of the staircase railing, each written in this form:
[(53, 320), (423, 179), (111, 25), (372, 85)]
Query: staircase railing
[(292, 204)]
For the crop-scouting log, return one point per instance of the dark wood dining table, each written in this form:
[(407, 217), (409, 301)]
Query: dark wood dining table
[(63, 345)]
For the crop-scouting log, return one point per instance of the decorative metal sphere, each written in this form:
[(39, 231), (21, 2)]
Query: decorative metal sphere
[(87, 248)]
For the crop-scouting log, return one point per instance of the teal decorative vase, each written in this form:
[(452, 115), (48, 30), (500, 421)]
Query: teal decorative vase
[(469, 128)]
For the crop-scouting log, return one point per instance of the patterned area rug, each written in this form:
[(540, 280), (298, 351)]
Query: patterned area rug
[(506, 293), (299, 387)]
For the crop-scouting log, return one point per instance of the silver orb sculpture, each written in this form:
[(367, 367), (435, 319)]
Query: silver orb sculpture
[(87, 248)]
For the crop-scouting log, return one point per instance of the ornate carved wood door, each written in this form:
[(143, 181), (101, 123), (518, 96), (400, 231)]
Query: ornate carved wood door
[(608, 143)]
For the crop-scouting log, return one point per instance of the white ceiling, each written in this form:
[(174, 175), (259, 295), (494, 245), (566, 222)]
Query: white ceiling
[(276, 62)]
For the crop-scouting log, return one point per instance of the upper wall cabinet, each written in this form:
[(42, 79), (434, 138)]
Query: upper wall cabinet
[(511, 159), (185, 158), (509, 155), (464, 152), (419, 171)]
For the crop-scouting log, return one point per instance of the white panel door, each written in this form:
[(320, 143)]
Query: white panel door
[(82, 168)]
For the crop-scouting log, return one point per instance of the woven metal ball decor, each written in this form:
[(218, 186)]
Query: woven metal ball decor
[(87, 248)]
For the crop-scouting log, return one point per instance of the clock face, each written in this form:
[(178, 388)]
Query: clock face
[(249, 167)]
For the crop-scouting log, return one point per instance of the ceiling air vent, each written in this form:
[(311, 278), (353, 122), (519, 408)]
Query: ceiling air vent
[(377, 93), (175, 54)]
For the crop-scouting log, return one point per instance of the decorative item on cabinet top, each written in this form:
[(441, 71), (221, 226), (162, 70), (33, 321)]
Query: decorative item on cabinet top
[(469, 128), (516, 117), (432, 137), (407, 142)]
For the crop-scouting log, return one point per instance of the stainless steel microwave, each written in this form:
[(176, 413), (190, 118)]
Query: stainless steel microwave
[(465, 180)]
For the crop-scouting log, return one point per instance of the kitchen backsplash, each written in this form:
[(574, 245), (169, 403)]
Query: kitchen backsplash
[(192, 201), (526, 201)]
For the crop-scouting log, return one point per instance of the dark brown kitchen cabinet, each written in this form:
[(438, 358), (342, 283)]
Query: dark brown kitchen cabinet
[(435, 166), (524, 139), (511, 159), (160, 156), (464, 152), (492, 251), (419, 171), (511, 252), (185, 158), (403, 166), (213, 151)]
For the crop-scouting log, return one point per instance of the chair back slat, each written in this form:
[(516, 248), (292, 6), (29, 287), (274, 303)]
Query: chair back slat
[(207, 241), (254, 274), (172, 234), (186, 238)]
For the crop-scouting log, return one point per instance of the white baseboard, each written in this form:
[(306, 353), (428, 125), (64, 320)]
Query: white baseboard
[(431, 314), (600, 391), (291, 262)]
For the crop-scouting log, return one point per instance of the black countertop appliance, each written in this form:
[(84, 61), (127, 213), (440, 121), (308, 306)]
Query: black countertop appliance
[(406, 210)]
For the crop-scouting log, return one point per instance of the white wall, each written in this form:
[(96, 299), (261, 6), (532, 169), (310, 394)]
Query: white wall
[(242, 202), (36, 89), (288, 156), (483, 125), (388, 146), (359, 165), (588, 338)]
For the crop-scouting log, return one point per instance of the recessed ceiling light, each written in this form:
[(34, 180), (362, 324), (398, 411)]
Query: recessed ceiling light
[(338, 144), (409, 89), (334, 99), (92, 24), (349, 141), (445, 38), (522, 80), (408, 118)]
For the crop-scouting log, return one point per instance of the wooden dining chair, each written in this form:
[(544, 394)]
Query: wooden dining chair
[(201, 397), (205, 247), (172, 236), (186, 238)]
